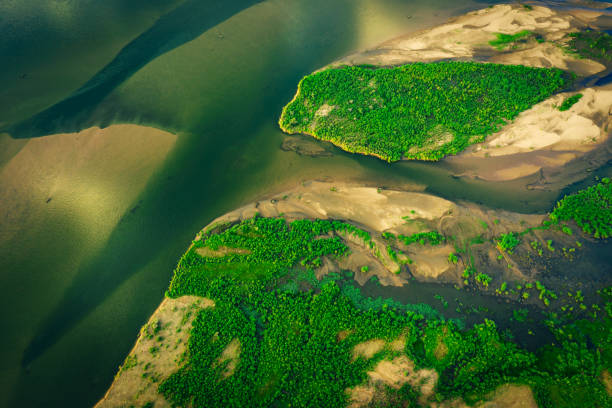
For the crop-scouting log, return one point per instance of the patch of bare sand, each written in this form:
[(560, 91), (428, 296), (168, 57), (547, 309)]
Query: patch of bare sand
[(547, 55), (544, 125), (324, 110), (368, 349), (429, 262), (398, 344), (606, 378), (379, 266), (156, 355), (505, 396), (343, 334), (510, 396), (393, 373), (230, 356), (221, 251), (369, 207)]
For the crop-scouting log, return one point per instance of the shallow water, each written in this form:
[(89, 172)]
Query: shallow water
[(78, 288)]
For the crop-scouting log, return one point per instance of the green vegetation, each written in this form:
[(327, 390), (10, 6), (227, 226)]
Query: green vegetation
[(591, 44), (430, 237), (505, 40), (416, 111), (507, 242), (296, 345), (590, 208), (569, 102), (483, 279)]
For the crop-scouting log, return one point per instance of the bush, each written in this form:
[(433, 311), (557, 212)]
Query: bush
[(569, 102), (416, 111), (507, 242), (589, 208)]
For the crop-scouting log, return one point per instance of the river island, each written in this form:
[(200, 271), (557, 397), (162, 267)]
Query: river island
[(321, 295)]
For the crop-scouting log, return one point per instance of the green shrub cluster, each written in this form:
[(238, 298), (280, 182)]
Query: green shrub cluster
[(507, 242), (569, 102), (591, 44), (505, 40), (291, 349), (430, 237), (590, 208), (416, 111)]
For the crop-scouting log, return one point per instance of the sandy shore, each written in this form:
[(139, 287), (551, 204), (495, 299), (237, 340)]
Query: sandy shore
[(160, 345)]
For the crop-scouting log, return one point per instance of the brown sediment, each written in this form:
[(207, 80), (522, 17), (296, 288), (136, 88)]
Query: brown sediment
[(157, 354)]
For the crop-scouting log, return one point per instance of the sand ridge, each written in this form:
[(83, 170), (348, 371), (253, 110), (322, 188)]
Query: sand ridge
[(398, 212)]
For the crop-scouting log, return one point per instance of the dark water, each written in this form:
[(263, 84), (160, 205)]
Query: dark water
[(215, 73)]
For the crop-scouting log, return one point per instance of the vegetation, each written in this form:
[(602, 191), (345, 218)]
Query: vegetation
[(430, 237), (591, 44), (505, 40), (590, 208), (569, 102), (296, 345), (507, 242), (416, 111), (483, 279)]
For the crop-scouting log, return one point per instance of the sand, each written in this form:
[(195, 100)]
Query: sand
[(542, 137), (394, 373), (467, 37), (505, 396), (231, 356), (144, 369), (368, 349)]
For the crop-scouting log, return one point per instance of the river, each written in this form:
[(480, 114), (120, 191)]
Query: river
[(82, 272)]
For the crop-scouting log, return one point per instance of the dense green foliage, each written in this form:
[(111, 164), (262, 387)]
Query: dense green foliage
[(290, 354), (569, 102), (431, 237), (416, 111), (507, 242), (591, 44), (504, 40), (590, 208), (296, 341)]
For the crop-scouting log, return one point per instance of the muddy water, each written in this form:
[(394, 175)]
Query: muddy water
[(82, 277)]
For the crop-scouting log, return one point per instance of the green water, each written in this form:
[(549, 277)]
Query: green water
[(216, 74)]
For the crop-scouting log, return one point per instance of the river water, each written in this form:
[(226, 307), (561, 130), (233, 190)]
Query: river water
[(78, 283)]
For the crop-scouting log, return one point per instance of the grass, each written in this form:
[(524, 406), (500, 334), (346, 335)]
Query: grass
[(570, 101), (505, 40), (416, 111)]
